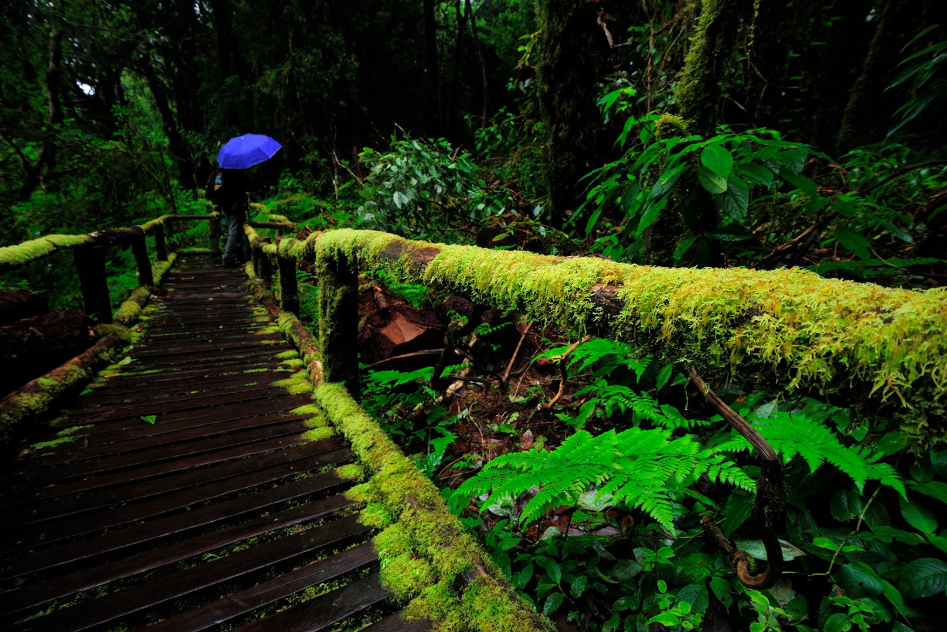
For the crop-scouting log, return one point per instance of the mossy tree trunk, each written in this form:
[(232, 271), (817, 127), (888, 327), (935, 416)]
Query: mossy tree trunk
[(565, 77), (699, 91)]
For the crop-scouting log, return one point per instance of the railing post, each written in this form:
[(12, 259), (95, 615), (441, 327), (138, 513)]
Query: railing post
[(161, 249), (338, 322), (169, 230), (288, 286), (90, 264), (213, 234), (140, 252)]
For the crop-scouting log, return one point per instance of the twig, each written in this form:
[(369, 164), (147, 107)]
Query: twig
[(509, 367), (768, 504), (564, 372), (406, 355)]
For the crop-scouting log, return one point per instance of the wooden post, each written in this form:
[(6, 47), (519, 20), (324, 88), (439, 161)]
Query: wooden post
[(338, 322), (169, 235), (161, 249), (288, 286), (213, 234), (266, 266), (90, 264), (140, 252)]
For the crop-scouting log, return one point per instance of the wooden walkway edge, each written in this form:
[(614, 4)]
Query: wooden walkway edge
[(189, 498)]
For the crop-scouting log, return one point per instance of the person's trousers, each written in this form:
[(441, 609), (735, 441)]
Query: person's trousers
[(233, 252)]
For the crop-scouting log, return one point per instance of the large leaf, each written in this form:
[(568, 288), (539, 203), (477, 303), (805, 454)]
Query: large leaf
[(718, 159), (859, 580), (853, 241), (757, 174), (736, 200), (923, 578), (711, 181), (666, 181), (918, 516)]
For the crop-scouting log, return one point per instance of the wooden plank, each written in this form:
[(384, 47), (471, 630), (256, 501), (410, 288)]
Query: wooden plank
[(133, 492), (211, 384), (118, 402), (150, 463), (326, 610), (245, 601), (176, 524), (125, 602), (38, 594), (308, 460), (394, 623)]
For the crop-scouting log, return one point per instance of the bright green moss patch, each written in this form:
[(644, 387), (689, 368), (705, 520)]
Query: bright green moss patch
[(792, 329), (350, 472), (318, 421), (68, 432), (294, 385), (426, 526), (308, 409), (195, 251), (21, 254), (161, 268), (287, 355), (317, 434), (123, 332), (52, 444), (375, 515)]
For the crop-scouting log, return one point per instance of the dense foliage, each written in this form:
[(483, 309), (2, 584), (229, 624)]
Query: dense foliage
[(697, 133)]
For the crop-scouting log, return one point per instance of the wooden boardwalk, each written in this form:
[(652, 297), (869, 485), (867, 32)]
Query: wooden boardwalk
[(218, 515)]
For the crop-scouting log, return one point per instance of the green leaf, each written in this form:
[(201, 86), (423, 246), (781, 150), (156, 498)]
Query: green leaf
[(934, 489), (722, 591), (923, 578), (666, 618), (711, 181), (651, 215), (579, 585), (732, 233), (918, 516), (893, 595), (151, 419), (838, 622), (718, 159), (664, 376), (757, 174), (553, 602), (738, 510), (859, 580), (552, 568), (853, 241), (845, 505), (684, 246), (625, 603), (666, 181), (736, 200)]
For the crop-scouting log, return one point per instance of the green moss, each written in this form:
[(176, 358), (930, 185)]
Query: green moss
[(195, 251), (375, 515), (295, 385), (294, 363), (350, 472), (52, 444), (308, 409), (161, 268), (318, 421), (317, 434), (786, 328), (68, 432), (422, 518), (123, 332), (21, 254), (150, 226)]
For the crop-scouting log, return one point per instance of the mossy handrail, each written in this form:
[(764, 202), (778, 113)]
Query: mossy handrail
[(30, 402), (858, 343), (789, 329)]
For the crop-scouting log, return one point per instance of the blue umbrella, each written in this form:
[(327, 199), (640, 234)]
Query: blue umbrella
[(245, 151)]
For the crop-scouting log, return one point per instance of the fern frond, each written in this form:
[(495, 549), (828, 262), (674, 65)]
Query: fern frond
[(642, 468), (797, 434)]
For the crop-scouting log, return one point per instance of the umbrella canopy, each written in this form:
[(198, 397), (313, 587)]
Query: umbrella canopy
[(242, 152)]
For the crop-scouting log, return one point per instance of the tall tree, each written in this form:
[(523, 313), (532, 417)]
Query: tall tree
[(566, 75)]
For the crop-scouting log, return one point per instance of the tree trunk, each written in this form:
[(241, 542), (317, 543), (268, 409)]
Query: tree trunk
[(699, 91), (430, 39), (566, 75), (175, 141)]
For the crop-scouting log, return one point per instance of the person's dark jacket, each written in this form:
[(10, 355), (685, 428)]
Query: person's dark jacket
[(227, 189)]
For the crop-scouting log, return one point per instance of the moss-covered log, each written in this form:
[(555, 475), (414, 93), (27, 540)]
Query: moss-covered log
[(29, 251), (27, 404), (882, 348), (426, 553)]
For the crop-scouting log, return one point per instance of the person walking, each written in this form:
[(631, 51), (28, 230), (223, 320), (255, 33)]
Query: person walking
[(227, 189)]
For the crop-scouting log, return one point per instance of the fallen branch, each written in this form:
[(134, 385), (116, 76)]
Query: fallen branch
[(767, 505), (564, 372), (516, 352)]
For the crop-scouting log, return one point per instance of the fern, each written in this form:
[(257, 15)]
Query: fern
[(796, 434), (641, 468)]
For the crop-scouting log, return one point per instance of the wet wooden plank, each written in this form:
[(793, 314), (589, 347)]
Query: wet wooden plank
[(142, 464), (148, 594), (394, 623), (174, 525), (326, 610), (38, 594), (245, 601), (136, 492)]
